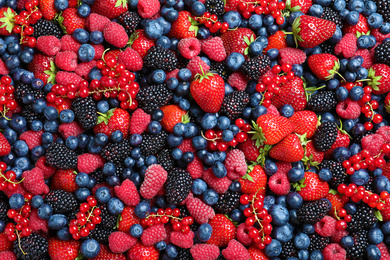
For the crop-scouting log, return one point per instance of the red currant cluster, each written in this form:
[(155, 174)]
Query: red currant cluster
[(163, 216), (215, 141), (8, 180), (364, 160), (23, 23), (271, 86), (271, 7), (86, 219), (7, 98), (211, 22), (257, 218), (21, 218)]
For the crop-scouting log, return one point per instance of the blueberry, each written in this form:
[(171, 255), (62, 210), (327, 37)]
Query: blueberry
[(37, 201), (72, 142), (373, 252), (154, 127), (57, 221), (363, 42), (164, 42), (384, 29), (158, 76), (103, 106), (361, 73), (255, 22), (369, 8), (356, 5), (352, 17), (39, 105), (316, 255), (86, 52), (142, 209), (18, 123), (256, 48), (198, 8), (325, 175), (103, 195), (81, 194), (174, 141), (16, 201), (273, 53), (158, 114), (90, 248), (341, 154), (171, 251), (84, 11), (295, 174), (360, 177), (235, 186), (82, 179), (308, 228), (20, 148), (204, 232), (81, 35), (153, 29), (279, 214), (375, 236), (287, 111), (316, 10), (347, 242), (113, 180), (61, 5), (172, 15), (235, 61), (294, 200), (115, 206), (301, 241), (375, 20), (210, 197), (274, 248), (219, 170), (233, 18), (269, 201), (135, 140), (270, 167)]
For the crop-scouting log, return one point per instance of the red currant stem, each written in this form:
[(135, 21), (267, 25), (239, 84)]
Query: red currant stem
[(21, 249), (335, 214), (2, 114), (208, 139), (341, 76), (158, 215), (22, 29), (9, 180), (104, 53)]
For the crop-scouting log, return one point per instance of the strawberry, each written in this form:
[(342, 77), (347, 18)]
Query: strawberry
[(5, 147), (70, 21), (257, 253), (379, 75), (48, 9), (305, 122), (184, 27), (64, 180), (63, 250), (6, 20), (232, 5), (270, 129), (127, 219), (5, 243), (276, 41), (105, 253), (312, 156), (141, 252), (360, 28), (109, 8), (223, 230), (342, 140), (254, 181), (387, 103), (43, 68), (114, 119), (140, 43), (173, 114), (238, 40), (299, 5), (324, 65), (292, 93), (311, 187), (288, 150), (250, 149), (310, 31), (208, 90), (337, 203)]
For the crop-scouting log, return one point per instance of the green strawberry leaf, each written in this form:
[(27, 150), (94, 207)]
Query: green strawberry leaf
[(119, 219), (258, 134), (60, 19), (387, 108), (122, 3), (52, 73), (374, 83), (247, 177), (133, 37), (296, 30), (8, 20), (378, 215), (105, 117), (235, 223), (185, 118), (334, 192), (263, 154)]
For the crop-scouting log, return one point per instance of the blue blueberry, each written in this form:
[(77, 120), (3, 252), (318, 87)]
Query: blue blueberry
[(204, 232), (219, 169), (270, 167), (57, 221), (16, 201), (274, 248), (373, 252), (375, 20), (81, 35), (360, 177), (20, 148), (72, 142), (81, 194), (90, 248), (301, 241), (295, 174), (84, 10), (82, 179), (347, 242), (103, 195), (233, 18), (210, 197), (142, 210), (153, 29), (37, 201), (294, 200), (287, 111), (115, 206), (325, 174), (61, 5), (279, 214), (86, 52)]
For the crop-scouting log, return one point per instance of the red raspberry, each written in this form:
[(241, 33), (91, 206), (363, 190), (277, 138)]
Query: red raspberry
[(148, 8), (66, 60), (214, 49), (235, 251), (127, 193), (189, 47), (139, 121), (120, 242), (182, 240), (204, 252), (153, 235), (238, 80), (88, 162), (49, 45), (34, 182), (155, 177), (200, 211), (115, 34), (326, 227)]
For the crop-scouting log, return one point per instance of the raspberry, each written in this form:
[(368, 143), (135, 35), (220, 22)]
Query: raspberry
[(182, 240), (65, 78), (96, 22), (368, 61), (20, 189), (99, 50), (235, 251), (68, 43), (155, 177), (334, 252), (139, 121), (189, 47), (200, 211), (204, 252), (272, 110), (373, 143), (32, 138), (195, 64), (88, 162), (347, 46), (153, 234), (70, 129), (49, 45), (384, 131), (115, 34), (214, 49), (34, 182), (238, 80), (249, 149), (283, 167), (279, 183), (172, 74), (131, 59), (120, 242), (66, 60), (127, 193), (235, 164), (384, 250), (348, 109), (84, 68), (242, 234), (36, 223), (195, 168), (338, 235), (148, 8), (379, 36), (3, 68), (47, 170), (186, 146), (326, 227), (220, 185), (7, 255), (292, 56)]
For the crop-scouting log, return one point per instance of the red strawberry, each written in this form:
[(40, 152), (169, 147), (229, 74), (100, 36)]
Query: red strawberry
[(140, 43), (312, 156), (299, 5), (5, 147), (208, 90), (109, 8), (250, 149), (7, 20), (311, 187), (342, 140), (173, 114), (387, 103), (238, 40), (43, 68), (257, 254), (105, 253), (360, 28), (70, 21), (270, 129), (288, 150), (291, 93), (337, 203), (114, 119), (223, 230), (141, 252), (323, 65), (48, 9), (380, 78), (277, 41), (63, 250), (5, 244), (232, 5), (127, 219), (305, 122), (184, 27), (254, 181), (64, 180), (310, 31)]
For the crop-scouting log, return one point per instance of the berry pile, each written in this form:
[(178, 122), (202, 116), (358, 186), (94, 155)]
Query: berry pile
[(205, 129)]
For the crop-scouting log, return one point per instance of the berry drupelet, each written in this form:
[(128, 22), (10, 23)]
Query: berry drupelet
[(256, 67), (325, 136), (160, 58), (153, 97), (85, 111), (61, 157), (44, 27), (130, 21), (228, 201), (178, 185), (339, 175), (322, 101), (151, 144), (313, 211), (382, 53), (61, 201), (33, 247), (234, 103)]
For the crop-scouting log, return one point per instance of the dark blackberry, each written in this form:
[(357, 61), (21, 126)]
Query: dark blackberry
[(164, 158), (30, 115), (339, 175), (116, 152), (61, 157), (382, 53), (234, 103), (216, 7), (177, 186), (288, 250), (331, 15), (317, 242), (4, 207), (364, 218), (130, 21), (358, 250), (327, 47), (85, 111), (44, 27), (151, 144), (158, 57), (370, 184), (357, 137), (182, 62), (325, 136), (383, 8), (22, 89), (220, 68), (227, 202), (61, 201), (98, 175), (153, 97), (101, 234), (313, 211), (33, 247), (183, 254), (322, 101), (108, 220), (256, 66)]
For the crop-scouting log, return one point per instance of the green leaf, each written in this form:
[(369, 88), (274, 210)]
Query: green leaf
[(334, 192), (247, 177), (378, 215), (122, 3), (119, 219), (8, 20), (258, 134)]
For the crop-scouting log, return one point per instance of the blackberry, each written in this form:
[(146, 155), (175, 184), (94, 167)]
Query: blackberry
[(234, 103), (33, 247), (382, 53), (220, 68), (325, 136), (108, 220), (364, 218), (227, 202), (116, 152), (322, 101), (44, 27), (4, 207), (178, 185), (61, 157), (331, 15), (158, 57), (256, 66), (30, 115), (100, 234), (216, 7), (85, 111), (153, 97), (313, 211), (358, 250), (130, 21), (317, 242), (339, 175), (183, 254), (327, 47), (98, 175), (357, 137), (182, 62), (383, 8), (22, 89), (151, 144), (370, 184), (61, 201), (164, 158), (288, 250)]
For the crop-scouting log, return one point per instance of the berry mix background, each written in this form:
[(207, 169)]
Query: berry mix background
[(194, 129)]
